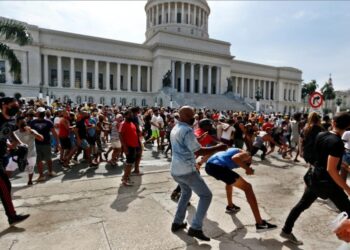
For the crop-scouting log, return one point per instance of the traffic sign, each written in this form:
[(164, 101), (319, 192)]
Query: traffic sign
[(316, 100)]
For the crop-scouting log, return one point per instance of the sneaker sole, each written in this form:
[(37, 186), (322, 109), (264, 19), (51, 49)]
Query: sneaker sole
[(265, 230)]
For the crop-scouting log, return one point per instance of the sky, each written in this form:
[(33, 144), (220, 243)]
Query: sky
[(313, 36)]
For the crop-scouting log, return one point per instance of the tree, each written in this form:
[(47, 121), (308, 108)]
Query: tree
[(328, 93), (307, 89), (16, 32)]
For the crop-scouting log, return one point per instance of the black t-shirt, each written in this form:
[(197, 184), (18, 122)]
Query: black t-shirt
[(81, 128), (238, 134), (43, 127), (327, 144), (7, 126)]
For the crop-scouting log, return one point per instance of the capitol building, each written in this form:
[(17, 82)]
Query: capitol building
[(178, 63)]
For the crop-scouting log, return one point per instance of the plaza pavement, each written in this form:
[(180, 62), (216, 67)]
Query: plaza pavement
[(88, 209)]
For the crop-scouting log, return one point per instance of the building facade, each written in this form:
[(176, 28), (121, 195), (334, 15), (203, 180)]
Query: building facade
[(177, 47)]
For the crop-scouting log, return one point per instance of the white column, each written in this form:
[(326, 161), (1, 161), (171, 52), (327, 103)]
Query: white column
[(237, 85), (248, 88), (163, 13), (173, 74), (254, 89), (209, 80), (169, 13), (9, 78), (129, 78), (201, 79), (200, 17), (148, 79), (138, 78), (46, 71), (108, 69), (59, 72), (195, 15), (84, 84), (182, 77), (96, 75), (189, 13), (192, 78), (242, 87), (157, 13), (175, 14), (72, 73), (24, 68), (182, 12), (118, 87), (218, 80)]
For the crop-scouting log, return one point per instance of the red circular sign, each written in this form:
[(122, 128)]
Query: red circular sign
[(316, 100)]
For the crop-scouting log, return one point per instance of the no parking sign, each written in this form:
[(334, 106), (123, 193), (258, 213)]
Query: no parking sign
[(316, 100)]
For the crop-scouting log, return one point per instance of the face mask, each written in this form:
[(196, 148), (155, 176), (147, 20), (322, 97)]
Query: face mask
[(12, 111)]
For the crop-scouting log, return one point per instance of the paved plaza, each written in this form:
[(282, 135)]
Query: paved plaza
[(88, 209)]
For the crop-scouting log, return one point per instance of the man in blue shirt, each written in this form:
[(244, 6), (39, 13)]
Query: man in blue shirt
[(183, 169), (220, 166)]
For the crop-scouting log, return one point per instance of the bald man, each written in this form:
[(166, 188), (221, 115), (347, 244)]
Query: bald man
[(183, 170), (220, 166)]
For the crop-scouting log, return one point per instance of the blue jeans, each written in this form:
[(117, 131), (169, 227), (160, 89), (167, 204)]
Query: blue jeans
[(196, 183)]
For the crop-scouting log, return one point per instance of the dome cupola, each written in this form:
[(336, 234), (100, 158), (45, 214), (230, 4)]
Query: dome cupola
[(189, 17)]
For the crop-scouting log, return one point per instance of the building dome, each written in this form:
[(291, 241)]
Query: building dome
[(189, 17)]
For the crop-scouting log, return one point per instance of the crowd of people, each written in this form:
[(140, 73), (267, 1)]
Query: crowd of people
[(33, 131)]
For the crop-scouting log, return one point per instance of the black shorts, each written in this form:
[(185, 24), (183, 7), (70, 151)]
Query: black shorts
[(65, 143), (133, 154), (91, 140), (221, 173)]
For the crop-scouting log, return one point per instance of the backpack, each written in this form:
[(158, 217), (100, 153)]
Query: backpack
[(308, 145)]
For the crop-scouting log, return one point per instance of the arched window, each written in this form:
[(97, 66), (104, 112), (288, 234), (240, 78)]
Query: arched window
[(78, 100), (17, 96), (102, 100), (133, 102), (113, 101), (91, 99), (123, 101), (143, 103)]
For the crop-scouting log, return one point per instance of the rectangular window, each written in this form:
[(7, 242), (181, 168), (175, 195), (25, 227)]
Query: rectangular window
[(160, 19), (100, 81), (2, 72), (178, 17), (78, 79), (167, 17), (196, 86), (289, 95), (122, 82), (89, 80), (111, 82), (53, 82), (188, 85), (66, 80), (285, 95)]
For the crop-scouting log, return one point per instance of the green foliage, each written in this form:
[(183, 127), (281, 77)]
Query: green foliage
[(15, 32), (328, 91), (308, 88)]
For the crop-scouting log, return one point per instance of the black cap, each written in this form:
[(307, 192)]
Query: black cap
[(205, 122)]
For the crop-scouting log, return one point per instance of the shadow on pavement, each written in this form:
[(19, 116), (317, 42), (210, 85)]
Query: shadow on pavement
[(12, 230), (128, 194)]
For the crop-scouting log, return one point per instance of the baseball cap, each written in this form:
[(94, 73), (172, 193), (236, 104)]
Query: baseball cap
[(40, 110), (205, 122)]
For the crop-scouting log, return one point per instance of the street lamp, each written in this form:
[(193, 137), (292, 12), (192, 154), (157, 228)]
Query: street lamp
[(338, 102), (171, 101), (258, 96)]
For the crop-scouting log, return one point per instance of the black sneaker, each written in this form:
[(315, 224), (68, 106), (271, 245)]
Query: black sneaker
[(197, 234), (176, 227), (232, 209), (265, 226), (291, 237), (18, 218), (175, 196)]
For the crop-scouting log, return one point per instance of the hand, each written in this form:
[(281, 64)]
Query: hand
[(249, 171), (343, 232)]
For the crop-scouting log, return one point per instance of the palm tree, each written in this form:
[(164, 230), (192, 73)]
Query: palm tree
[(307, 89), (328, 93), (15, 32)]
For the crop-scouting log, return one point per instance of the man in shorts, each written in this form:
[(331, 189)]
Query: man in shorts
[(43, 148), (221, 165)]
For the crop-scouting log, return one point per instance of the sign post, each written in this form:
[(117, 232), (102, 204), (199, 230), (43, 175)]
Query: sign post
[(316, 101)]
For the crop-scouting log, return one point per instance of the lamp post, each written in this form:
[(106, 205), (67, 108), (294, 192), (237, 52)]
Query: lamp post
[(338, 103), (258, 97), (40, 91), (171, 101)]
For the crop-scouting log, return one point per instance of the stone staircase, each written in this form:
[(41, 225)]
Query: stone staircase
[(219, 102)]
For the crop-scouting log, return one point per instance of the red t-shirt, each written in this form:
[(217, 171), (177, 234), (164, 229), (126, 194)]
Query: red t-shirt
[(129, 133), (267, 125), (204, 141)]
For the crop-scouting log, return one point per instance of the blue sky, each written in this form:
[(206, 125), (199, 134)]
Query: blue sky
[(313, 36)]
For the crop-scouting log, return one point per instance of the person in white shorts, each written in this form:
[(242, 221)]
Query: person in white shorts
[(27, 136), (115, 139)]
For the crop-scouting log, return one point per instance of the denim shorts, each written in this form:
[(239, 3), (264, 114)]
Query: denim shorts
[(346, 157)]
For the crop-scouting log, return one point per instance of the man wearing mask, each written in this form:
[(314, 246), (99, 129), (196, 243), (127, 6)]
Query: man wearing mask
[(183, 169), (43, 148), (9, 108)]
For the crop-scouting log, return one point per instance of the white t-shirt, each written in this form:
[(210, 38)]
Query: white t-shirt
[(56, 121), (227, 134), (158, 120), (29, 139), (346, 139)]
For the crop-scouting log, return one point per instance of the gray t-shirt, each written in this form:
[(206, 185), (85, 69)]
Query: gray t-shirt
[(29, 139)]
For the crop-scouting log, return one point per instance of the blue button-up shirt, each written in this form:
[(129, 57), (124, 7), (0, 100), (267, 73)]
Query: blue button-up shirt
[(183, 145)]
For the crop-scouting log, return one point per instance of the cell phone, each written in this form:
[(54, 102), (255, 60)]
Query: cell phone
[(335, 224)]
